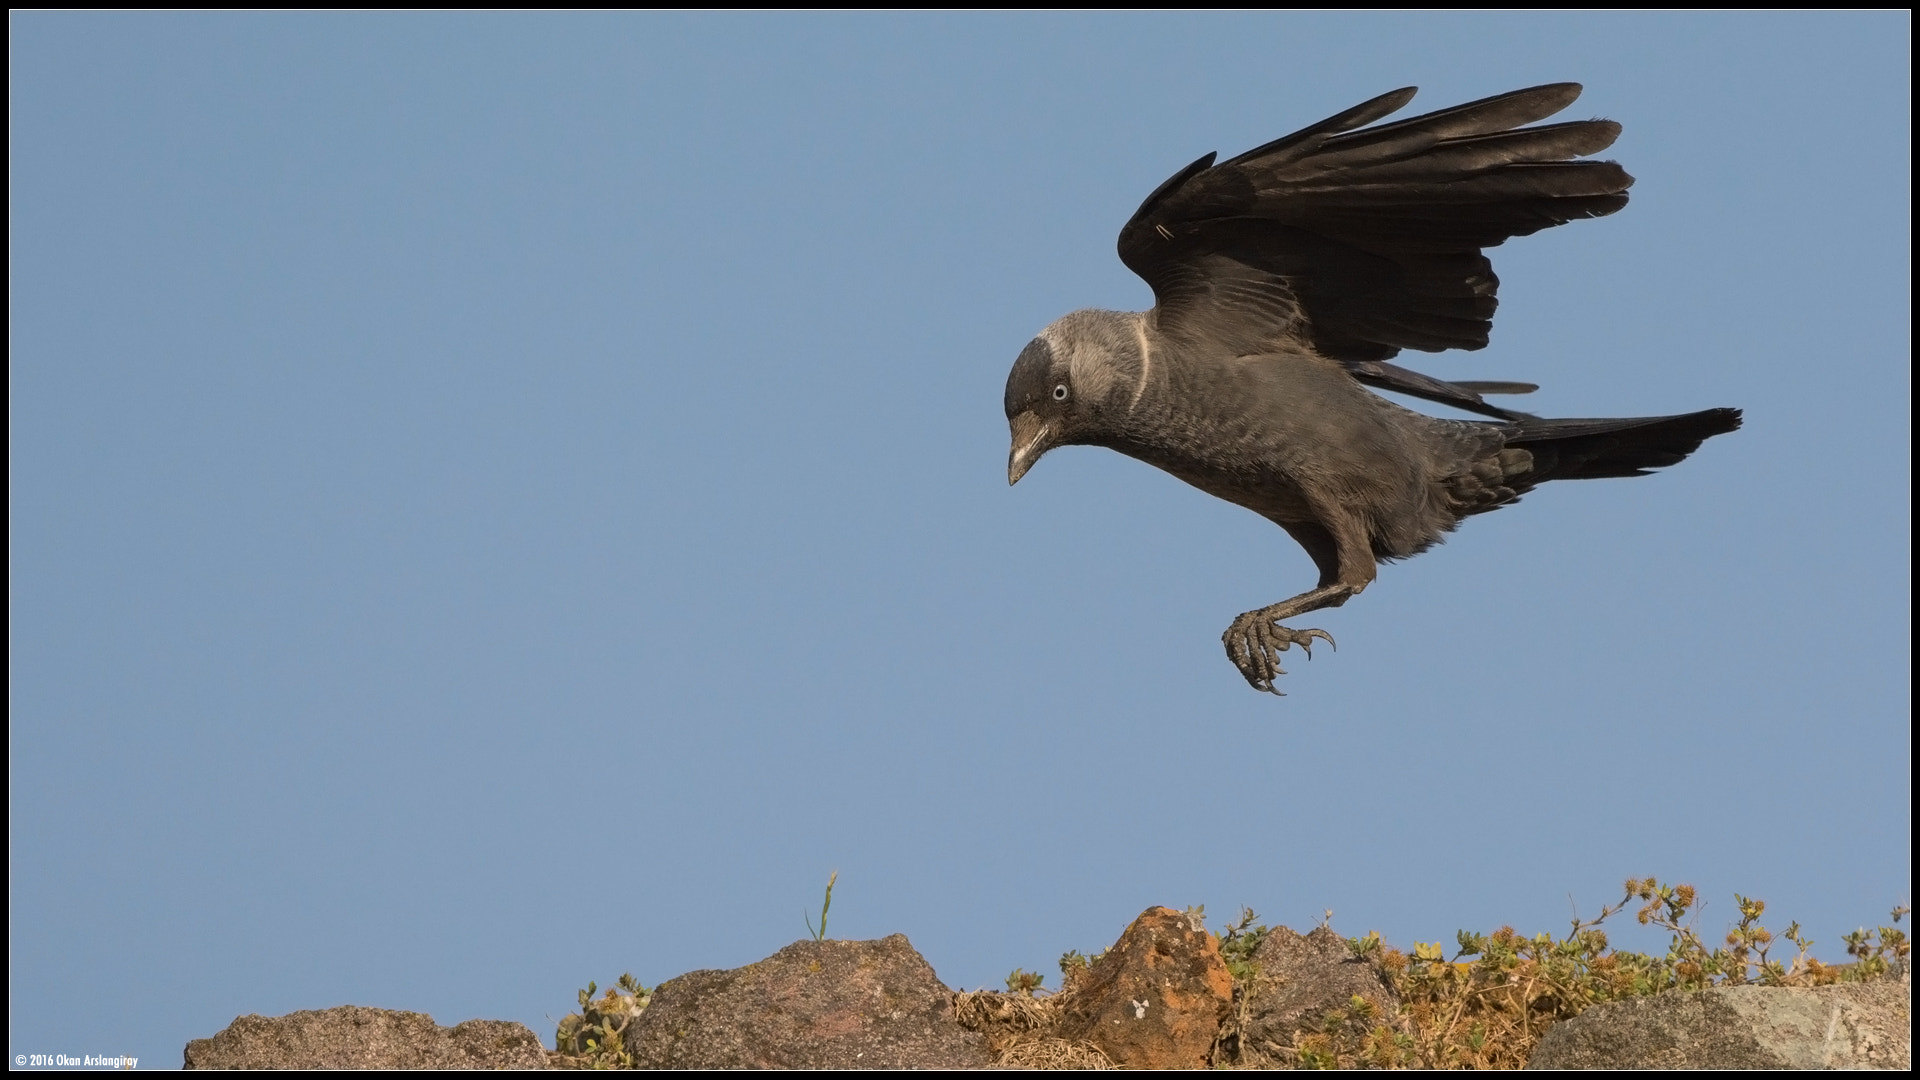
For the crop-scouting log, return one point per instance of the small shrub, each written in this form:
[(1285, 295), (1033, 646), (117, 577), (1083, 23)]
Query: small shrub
[(593, 1038), (1487, 1006), (1024, 982)]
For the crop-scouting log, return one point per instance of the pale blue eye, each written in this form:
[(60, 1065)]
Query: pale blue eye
[(1060, 392)]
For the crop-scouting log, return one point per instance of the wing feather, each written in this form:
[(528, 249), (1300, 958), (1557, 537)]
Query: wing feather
[(1362, 241)]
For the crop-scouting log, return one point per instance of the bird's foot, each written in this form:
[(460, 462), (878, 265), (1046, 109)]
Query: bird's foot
[(1254, 643)]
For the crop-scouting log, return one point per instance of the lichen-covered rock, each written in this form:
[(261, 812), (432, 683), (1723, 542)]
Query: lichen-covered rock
[(812, 1005), (353, 1037), (1846, 1026), (1301, 981), (1156, 999)]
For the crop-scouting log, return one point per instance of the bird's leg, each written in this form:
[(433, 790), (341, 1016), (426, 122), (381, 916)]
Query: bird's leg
[(1256, 639)]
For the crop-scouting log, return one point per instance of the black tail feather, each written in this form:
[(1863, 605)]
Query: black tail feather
[(1596, 449)]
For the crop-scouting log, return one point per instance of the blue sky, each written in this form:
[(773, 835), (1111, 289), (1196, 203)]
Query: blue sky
[(501, 500)]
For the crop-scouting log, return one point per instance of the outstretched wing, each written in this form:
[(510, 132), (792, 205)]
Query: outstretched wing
[(1364, 241)]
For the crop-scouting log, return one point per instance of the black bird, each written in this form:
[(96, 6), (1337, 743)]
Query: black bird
[(1284, 280)]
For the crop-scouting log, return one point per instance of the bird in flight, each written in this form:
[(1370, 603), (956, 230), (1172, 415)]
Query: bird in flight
[(1285, 281)]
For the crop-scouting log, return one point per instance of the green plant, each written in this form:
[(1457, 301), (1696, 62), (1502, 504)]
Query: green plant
[(1487, 1006), (821, 934), (593, 1038), (1024, 982), (1238, 942), (1074, 963), (1886, 956)]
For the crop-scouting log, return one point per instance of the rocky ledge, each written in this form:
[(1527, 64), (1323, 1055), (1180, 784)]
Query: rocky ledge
[(1161, 997)]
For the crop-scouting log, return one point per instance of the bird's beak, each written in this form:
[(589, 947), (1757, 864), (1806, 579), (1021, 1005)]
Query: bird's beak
[(1032, 437)]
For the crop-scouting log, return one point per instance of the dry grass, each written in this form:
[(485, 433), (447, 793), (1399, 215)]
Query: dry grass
[(1017, 1028), (1047, 1052)]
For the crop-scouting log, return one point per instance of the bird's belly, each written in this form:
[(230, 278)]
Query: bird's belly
[(1268, 492)]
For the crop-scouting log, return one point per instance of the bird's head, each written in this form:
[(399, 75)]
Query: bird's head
[(1069, 384)]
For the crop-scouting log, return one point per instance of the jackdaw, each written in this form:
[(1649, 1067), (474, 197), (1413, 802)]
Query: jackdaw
[(1284, 280)]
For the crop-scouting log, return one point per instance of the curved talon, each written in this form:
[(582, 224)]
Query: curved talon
[(1304, 639), (1254, 646)]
